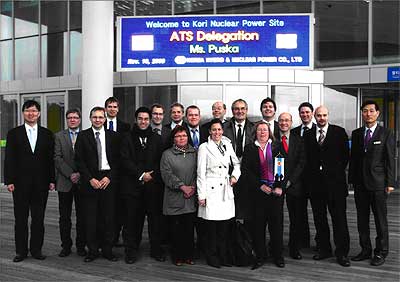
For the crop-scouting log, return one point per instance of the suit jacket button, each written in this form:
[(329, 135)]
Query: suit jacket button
[(219, 166), (212, 187), (220, 184)]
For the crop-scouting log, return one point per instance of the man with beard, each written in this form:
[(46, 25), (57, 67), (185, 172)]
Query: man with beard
[(141, 187)]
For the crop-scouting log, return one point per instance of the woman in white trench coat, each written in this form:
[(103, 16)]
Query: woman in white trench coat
[(215, 192)]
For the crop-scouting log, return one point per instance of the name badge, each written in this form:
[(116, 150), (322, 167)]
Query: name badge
[(377, 142)]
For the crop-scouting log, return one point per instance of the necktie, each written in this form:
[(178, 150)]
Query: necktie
[(195, 139), (98, 143), (321, 137), (31, 139), (111, 126), (284, 144), (367, 138), (239, 142), (305, 129), (73, 139)]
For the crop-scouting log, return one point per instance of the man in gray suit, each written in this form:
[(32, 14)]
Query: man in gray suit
[(67, 185)]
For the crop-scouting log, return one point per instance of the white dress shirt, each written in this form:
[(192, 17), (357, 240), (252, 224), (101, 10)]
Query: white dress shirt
[(32, 133), (104, 162)]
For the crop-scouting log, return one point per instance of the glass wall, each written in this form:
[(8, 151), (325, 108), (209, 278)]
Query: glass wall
[(238, 7), (341, 33), (127, 103), (27, 63), (342, 106), (386, 35), (285, 7), (153, 8), (6, 20), (6, 60), (194, 7)]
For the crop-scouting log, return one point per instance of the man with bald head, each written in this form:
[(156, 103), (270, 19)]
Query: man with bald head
[(327, 155), (292, 149)]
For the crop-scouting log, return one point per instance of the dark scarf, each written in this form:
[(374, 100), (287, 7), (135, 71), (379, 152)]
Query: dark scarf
[(142, 133)]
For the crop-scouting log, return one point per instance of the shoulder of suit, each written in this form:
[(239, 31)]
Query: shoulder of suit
[(44, 129)]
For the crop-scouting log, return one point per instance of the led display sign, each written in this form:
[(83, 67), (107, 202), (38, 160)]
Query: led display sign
[(215, 41)]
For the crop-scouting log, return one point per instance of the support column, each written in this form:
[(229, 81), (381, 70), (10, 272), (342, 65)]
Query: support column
[(98, 53)]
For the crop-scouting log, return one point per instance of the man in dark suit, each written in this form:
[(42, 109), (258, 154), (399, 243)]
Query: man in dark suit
[(141, 187), (197, 134), (67, 185), (29, 175), (157, 117), (113, 123), (327, 155), (268, 111), (97, 158), (372, 173), (176, 114), (292, 149), (306, 112)]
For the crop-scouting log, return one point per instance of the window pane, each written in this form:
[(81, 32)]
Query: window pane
[(55, 113), (276, 7), (76, 52), (75, 99), (127, 105), (342, 106), (26, 18), (386, 43), (341, 33), (149, 7), (53, 16), (123, 8), (75, 15), (26, 63), (54, 49), (6, 60), (5, 19), (238, 7), (194, 7), (288, 99)]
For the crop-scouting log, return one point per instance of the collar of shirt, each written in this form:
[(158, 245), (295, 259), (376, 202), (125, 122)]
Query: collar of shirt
[(307, 125), (195, 128), (174, 124), (325, 128), (153, 126), (27, 127), (371, 128), (243, 123), (101, 130), (287, 134), (73, 130)]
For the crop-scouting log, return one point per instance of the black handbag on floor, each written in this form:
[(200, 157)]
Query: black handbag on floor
[(242, 246)]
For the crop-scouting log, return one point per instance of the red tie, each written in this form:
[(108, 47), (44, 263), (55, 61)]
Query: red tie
[(284, 144)]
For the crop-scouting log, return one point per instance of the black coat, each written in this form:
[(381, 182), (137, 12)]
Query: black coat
[(326, 164), (297, 129), (230, 132), (122, 127), (374, 168), (22, 167), (87, 160)]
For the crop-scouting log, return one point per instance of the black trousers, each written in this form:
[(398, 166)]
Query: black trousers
[(99, 209), (217, 240), (268, 212), (31, 199), (375, 201), (119, 216), (182, 235), (304, 226), (65, 201), (137, 208), (321, 202), (295, 205)]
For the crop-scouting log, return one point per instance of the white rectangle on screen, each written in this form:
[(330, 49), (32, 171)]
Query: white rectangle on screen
[(286, 41), (142, 42)]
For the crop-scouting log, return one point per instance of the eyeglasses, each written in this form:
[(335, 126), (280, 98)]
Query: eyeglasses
[(31, 111), (181, 136)]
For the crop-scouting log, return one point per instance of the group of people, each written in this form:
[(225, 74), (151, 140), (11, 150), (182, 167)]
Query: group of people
[(186, 177)]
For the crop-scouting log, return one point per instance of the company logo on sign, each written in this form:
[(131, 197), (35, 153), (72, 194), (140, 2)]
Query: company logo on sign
[(393, 74)]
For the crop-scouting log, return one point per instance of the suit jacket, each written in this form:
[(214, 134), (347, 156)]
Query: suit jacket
[(166, 135), (64, 161), (294, 164), (122, 127), (297, 129), (203, 134), (25, 168), (374, 169), (230, 132), (326, 164), (87, 160), (135, 160)]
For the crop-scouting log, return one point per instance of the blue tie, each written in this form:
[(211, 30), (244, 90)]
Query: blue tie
[(195, 139), (111, 127)]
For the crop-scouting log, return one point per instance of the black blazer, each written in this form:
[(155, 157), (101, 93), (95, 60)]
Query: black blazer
[(332, 157), (87, 160), (294, 164), (24, 168), (166, 139), (122, 127), (374, 169), (230, 132), (297, 129), (203, 132), (135, 161)]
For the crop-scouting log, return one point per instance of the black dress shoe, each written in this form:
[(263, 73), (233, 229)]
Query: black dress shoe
[(361, 256), (256, 265), (110, 257), (90, 257), (295, 254), (130, 259), (38, 256), (321, 256), (279, 262), (378, 260), (81, 252), (64, 253), (214, 262), (159, 257), (19, 258), (343, 261)]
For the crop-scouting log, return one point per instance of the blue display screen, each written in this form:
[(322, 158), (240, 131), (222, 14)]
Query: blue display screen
[(214, 41)]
